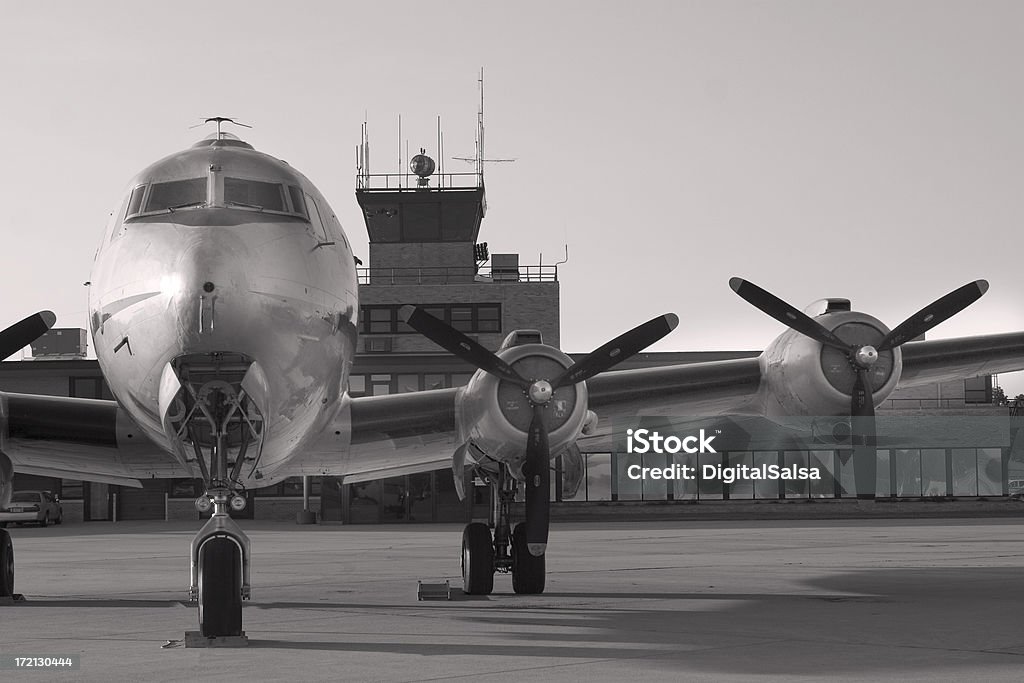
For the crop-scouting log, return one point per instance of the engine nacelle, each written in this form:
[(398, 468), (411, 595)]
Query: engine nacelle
[(495, 415), (803, 377), (6, 480)]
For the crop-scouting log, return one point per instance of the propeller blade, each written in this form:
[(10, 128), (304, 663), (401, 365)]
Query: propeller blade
[(785, 314), (538, 484), (862, 402), (617, 350), (21, 334), (459, 344), (933, 314), (865, 457), (459, 470)]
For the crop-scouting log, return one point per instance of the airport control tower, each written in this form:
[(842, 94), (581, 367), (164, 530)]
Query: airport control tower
[(424, 226)]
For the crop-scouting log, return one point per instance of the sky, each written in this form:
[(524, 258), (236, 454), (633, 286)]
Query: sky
[(872, 151)]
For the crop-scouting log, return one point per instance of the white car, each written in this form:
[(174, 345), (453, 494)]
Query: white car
[(40, 507)]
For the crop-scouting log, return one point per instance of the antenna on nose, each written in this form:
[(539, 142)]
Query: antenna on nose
[(220, 120)]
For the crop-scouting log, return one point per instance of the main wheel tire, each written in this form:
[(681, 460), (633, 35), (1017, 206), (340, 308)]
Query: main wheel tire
[(477, 560), (527, 569), (6, 565), (45, 521), (220, 588)]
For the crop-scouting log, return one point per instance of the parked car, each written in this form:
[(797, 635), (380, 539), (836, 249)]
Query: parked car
[(41, 507)]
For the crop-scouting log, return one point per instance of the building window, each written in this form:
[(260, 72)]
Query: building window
[(290, 488), (599, 476), (685, 489), (907, 463), (467, 318), (990, 472), (965, 472), (978, 389), (380, 385), (185, 488), (408, 383), (741, 488), (71, 489), (656, 489), (488, 318), (766, 489), (385, 383), (628, 487), (434, 380), (379, 319)]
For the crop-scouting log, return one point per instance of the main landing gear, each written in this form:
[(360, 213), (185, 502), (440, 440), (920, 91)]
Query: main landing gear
[(506, 550), (6, 565)]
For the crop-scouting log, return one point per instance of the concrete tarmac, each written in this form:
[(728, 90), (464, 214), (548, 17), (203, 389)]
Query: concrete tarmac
[(698, 601)]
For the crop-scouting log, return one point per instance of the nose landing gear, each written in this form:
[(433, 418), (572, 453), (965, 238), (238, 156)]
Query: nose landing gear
[(219, 421), (220, 570)]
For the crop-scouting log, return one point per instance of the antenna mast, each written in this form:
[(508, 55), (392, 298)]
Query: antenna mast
[(480, 131)]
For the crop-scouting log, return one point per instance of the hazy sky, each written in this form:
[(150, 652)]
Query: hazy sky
[(870, 150)]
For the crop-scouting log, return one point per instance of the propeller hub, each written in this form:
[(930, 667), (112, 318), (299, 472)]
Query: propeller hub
[(540, 392), (866, 356)]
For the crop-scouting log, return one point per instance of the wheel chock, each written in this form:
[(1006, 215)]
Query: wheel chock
[(197, 639), (433, 591)]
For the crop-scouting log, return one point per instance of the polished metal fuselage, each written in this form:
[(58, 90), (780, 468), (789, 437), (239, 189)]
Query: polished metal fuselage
[(228, 279)]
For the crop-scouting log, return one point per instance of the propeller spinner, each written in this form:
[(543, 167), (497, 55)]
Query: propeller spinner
[(539, 390), (862, 358)]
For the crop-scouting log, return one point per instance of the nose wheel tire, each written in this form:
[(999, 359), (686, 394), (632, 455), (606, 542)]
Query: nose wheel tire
[(477, 560), (220, 588), (527, 570)]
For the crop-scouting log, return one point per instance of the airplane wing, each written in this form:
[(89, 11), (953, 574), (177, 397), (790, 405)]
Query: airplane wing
[(79, 438), (401, 434), (383, 436), (942, 360), (405, 433)]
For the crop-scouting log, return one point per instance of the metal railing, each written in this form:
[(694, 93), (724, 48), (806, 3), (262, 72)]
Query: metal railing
[(444, 275), (930, 403), (408, 182)]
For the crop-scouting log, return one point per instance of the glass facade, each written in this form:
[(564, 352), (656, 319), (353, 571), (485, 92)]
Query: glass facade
[(901, 473)]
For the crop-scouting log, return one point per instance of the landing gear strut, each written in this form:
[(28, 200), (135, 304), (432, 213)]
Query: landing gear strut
[(505, 552)]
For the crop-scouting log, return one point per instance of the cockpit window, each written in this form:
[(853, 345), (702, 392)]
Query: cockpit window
[(253, 194), (135, 201), (176, 194), (298, 203)]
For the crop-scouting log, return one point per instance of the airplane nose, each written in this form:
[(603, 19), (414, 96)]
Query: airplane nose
[(212, 281)]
